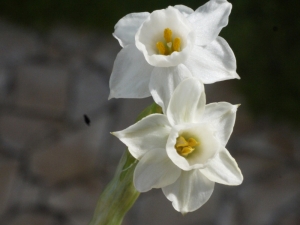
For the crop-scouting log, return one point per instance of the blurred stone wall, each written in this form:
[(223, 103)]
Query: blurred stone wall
[(53, 166)]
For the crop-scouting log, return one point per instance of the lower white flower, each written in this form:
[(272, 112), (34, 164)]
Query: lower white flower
[(183, 152)]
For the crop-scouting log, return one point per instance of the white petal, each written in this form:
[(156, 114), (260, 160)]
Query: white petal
[(223, 169), (190, 191), (149, 133), (187, 103), (209, 19), (186, 11), (126, 28), (164, 81), (205, 151), (155, 170), (221, 116), (212, 63), (152, 31), (131, 75)]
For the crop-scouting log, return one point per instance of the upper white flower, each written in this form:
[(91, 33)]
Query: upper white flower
[(183, 151), (165, 47)]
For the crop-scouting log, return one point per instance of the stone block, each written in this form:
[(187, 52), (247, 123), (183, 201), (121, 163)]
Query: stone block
[(261, 201), (68, 40), (252, 166), (257, 144), (16, 43), (42, 89), (105, 52), (76, 154), (80, 198), (4, 85), (227, 214), (8, 174), (17, 132), (32, 219), (89, 94), (25, 194)]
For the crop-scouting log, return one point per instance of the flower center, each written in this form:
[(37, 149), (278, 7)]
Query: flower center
[(185, 147), (168, 46)]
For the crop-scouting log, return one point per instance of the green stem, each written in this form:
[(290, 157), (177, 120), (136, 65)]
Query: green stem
[(120, 194)]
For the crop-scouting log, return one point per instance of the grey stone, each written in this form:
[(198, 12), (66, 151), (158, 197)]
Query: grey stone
[(261, 200), (291, 218), (258, 144), (251, 166), (79, 219), (4, 85), (24, 194), (68, 40), (77, 199), (105, 52), (89, 95), (227, 214), (8, 173), (16, 43), (33, 219), (42, 89), (17, 132), (76, 154)]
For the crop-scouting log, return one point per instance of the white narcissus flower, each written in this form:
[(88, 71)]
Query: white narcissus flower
[(165, 47), (183, 151)]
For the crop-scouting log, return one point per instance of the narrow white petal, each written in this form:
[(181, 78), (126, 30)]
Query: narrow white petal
[(149, 133), (209, 19), (223, 169), (187, 103), (126, 28), (186, 11), (221, 116), (155, 170), (131, 75), (163, 82), (212, 63), (191, 190)]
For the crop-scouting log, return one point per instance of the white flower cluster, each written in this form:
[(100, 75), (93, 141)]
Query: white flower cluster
[(170, 54)]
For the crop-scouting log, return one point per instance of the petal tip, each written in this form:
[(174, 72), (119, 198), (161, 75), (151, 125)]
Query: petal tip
[(237, 76), (237, 181), (111, 95), (234, 108)]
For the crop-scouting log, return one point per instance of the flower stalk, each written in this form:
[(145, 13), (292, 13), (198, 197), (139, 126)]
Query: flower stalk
[(120, 194)]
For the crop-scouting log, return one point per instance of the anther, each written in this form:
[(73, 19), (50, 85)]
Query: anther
[(168, 35), (192, 142), (176, 44), (183, 147), (161, 48)]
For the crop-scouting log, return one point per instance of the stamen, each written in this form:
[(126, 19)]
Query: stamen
[(184, 147), (186, 150), (181, 142), (176, 44), (161, 48), (192, 142), (168, 45), (168, 35)]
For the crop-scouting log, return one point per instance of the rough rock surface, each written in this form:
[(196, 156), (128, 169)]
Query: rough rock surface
[(53, 166)]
